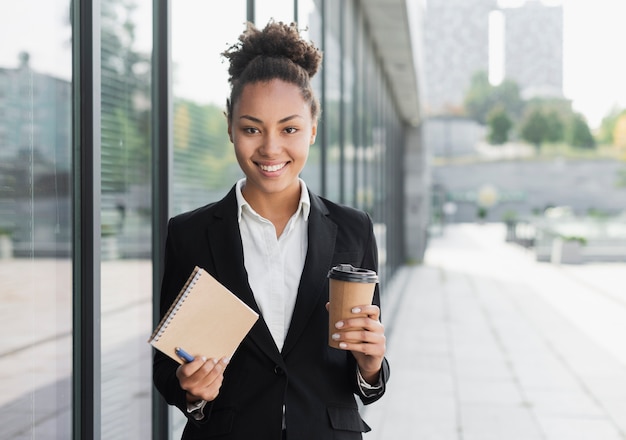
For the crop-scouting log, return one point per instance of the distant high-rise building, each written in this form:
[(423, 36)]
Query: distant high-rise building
[(456, 46), (534, 48)]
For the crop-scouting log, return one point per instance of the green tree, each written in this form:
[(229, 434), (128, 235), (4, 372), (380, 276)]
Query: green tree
[(606, 133), (534, 127), (619, 131), (482, 97), (499, 126), (578, 134), (555, 126), (478, 99)]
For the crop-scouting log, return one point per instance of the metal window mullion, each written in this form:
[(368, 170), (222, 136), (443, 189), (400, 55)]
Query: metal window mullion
[(86, 387), (323, 124), (162, 150)]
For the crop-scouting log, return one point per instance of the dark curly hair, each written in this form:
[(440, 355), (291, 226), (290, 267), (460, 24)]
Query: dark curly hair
[(276, 52)]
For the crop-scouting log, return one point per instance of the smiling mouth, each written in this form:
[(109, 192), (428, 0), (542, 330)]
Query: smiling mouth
[(272, 168)]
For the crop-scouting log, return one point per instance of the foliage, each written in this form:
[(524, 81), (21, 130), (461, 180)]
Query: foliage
[(499, 126), (621, 179), (537, 120), (578, 133), (607, 126), (575, 238), (482, 98), (534, 127), (555, 126), (202, 149), (125, 87), (619, 131)]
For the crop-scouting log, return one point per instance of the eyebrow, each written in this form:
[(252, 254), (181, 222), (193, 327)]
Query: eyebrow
[(257, 120)]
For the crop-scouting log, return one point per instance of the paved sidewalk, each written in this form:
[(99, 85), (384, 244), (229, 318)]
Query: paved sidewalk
[(487, 344)]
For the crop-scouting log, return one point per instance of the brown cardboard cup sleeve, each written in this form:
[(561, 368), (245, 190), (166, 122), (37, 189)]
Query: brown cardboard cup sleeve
[(348, 287)]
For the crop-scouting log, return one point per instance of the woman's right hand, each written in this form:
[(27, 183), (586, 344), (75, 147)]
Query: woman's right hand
[(202, 378)]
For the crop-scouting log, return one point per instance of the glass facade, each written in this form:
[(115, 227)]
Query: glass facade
[(35, 220), (46, 375), (125, 212)]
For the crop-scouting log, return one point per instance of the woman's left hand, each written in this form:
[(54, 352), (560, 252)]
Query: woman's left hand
[(364, 336)]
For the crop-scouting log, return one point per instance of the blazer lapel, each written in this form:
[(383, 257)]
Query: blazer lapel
[(322, 233), (227, 251)]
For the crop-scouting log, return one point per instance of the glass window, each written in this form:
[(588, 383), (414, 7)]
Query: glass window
[(204, 163), (126, 269), (35, 216), (278, 10), (310, 21), (332, 116)]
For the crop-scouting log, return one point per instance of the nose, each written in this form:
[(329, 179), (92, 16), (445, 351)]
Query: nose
[(271, 144)]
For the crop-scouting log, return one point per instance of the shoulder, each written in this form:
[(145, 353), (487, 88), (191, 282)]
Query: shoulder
[(341, 214), (203, 215)]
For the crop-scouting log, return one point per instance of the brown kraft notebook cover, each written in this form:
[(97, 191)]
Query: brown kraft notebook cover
[(205, 319)]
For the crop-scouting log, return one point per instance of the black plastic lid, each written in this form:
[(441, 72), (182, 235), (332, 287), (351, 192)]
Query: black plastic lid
[(347, 272)]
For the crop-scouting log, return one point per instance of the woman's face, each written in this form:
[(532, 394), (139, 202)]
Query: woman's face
[(271, 128)]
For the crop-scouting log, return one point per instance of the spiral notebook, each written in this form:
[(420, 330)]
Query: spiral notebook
[(205, 319)]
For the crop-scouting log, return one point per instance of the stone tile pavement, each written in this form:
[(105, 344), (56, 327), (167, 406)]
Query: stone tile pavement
[(485, 343)]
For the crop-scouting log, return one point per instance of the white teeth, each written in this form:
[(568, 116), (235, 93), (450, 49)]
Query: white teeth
[(272, 168)]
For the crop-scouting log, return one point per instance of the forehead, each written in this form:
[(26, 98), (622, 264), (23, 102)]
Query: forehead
[(271, 97)]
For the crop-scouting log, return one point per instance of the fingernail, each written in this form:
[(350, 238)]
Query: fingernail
[(335, 336), (215, 361), (226, 360), (339, 324), (203, 359), (356, 310), (343, 345)]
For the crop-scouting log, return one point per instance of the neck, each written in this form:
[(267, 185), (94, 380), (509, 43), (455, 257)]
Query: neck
[(276, 207)]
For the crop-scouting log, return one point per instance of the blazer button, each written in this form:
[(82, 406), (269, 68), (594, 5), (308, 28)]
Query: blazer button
[(278, 370)]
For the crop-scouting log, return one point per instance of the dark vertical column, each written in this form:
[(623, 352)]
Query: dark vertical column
[(86, 396), (250, 11), (295, 11), (161, 166), (342, 104), (356, 105)]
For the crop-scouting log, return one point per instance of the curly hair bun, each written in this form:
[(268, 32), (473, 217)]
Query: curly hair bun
[(276, 40)]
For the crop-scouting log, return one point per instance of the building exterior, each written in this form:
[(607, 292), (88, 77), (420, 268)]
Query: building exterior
[(456, 44), (534, 48), (92, 167)]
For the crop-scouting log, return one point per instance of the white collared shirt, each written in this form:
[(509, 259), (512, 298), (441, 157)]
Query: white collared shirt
[(274, 264)]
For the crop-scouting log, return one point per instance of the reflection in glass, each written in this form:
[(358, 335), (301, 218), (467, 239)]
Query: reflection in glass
[(35, 229), (310, 19), (204, 164), (126, 269)]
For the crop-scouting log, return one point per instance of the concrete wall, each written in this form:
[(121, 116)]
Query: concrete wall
[(524, 186)]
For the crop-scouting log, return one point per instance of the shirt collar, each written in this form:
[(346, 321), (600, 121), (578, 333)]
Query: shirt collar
[(304, 205)]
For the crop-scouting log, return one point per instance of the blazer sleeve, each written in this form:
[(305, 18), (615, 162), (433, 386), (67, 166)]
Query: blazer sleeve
[(176, 272)]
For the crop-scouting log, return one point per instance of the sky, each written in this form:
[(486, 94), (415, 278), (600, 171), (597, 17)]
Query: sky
[(594, 74), (594, 33)]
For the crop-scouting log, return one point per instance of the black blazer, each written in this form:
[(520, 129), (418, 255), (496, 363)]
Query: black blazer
[(316, 383)]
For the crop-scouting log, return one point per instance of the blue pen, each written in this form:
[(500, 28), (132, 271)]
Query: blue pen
[(184, 355)]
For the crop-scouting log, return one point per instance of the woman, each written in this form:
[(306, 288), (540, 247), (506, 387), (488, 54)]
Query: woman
[(272, 242)]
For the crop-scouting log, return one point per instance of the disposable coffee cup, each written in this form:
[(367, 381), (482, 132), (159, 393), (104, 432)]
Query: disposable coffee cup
[(349, 287)]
